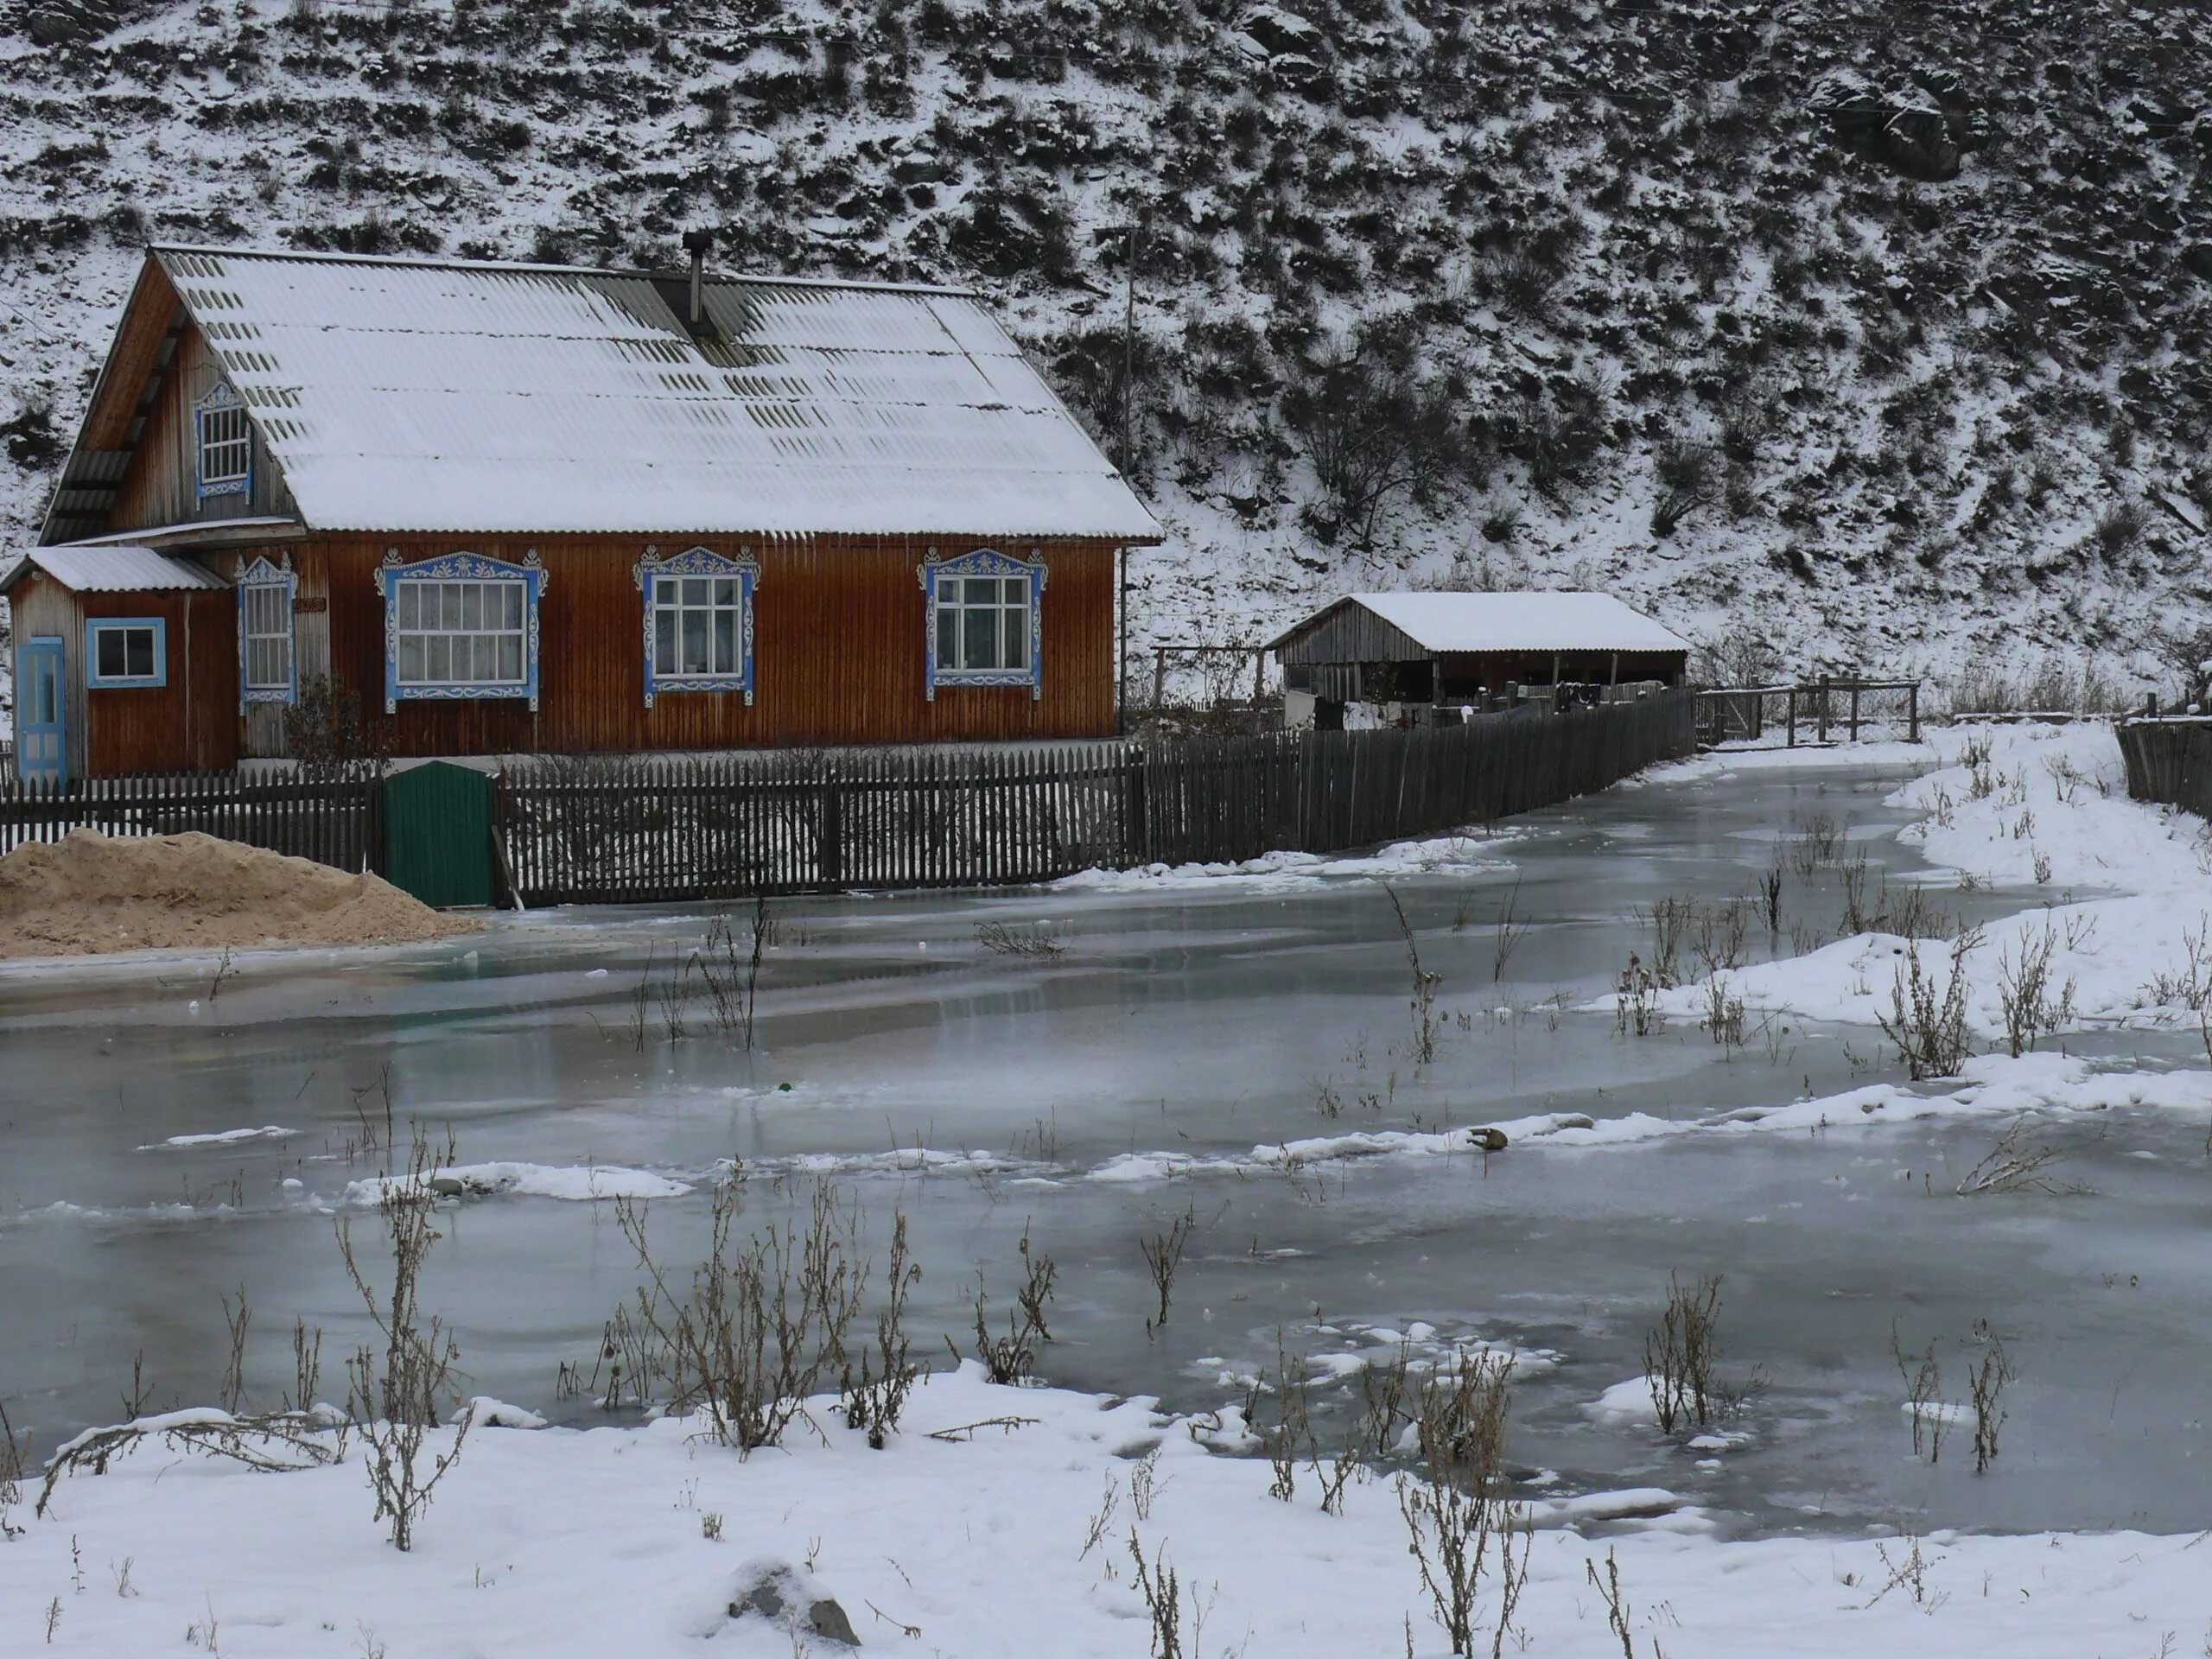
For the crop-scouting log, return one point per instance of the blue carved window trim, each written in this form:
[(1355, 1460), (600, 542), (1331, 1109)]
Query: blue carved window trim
[(983, 561), (697, 564), (276, 587), (159, 673), (220, 427), (392, 576)]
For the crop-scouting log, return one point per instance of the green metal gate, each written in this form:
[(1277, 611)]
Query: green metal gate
[(437, 834)]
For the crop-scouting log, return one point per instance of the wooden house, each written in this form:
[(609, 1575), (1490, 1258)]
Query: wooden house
[(1453, 650), (538, 509)]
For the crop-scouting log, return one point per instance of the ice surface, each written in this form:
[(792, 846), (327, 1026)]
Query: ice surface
[(1234, 1054)]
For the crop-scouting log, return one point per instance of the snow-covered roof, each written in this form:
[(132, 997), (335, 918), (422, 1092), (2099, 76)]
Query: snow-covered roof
[(1519, 621), (412, 395), (110, 569)]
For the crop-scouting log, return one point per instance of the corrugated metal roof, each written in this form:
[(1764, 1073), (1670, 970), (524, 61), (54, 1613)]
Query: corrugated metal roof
[(112, 569), (1521, 621), (404, 395)]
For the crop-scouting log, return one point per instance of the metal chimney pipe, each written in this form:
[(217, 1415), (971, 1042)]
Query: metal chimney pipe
[(696, 242)]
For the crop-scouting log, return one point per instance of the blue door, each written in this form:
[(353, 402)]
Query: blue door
[(41, 746)]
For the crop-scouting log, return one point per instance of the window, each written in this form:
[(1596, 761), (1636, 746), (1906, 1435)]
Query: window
[(460, 626), (265, 663), (126, 652), (460, 634), (984, 621), (225, 444), (698, 622)]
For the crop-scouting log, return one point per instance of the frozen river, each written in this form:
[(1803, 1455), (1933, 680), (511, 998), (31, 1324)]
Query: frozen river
[(1095, 1096)]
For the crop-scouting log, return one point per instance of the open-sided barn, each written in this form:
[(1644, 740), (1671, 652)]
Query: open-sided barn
[(517, 508), (1452, 650)]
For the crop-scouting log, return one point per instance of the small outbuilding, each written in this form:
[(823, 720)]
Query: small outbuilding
[(1470, 651)]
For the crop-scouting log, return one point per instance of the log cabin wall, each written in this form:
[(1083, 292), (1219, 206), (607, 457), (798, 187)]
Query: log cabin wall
[(839, 648), (189, 724)]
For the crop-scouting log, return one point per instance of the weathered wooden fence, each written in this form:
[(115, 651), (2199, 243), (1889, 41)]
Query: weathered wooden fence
[(332, 821), (594, 830), (1819, 711), (2170, 762)]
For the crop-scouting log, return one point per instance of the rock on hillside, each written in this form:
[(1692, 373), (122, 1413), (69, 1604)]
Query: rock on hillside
[(1883, 329)]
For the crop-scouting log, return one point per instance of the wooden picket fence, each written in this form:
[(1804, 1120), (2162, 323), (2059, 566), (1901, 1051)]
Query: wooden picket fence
[(2170, 762), (332, 821), (623, 830)]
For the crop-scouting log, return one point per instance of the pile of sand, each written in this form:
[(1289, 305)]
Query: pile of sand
[(94, 892)]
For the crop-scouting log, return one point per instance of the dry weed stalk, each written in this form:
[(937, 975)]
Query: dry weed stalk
[(1929, 1028), (2012, 1166), (1007, 1359), (762, 1324), (874, 1401), (1424, 995), (1682, 1359), (1163, 1254), (393, 1399), (1462, 1524)]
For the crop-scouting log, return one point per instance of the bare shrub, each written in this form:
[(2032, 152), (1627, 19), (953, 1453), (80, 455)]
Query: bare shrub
[(1669, 921), (235, 1320), (1923, 1382), (2013, 1165), (1724, 1013), (1616, 1600), (1985, 1388), (306, 1363), (1508, 936), (1635, 999), (1163, 1254), (728, 966), (393, 1399), (1007, 1359), (874, 1401), (1682, 1359), (1686, 482), (762, 1323), (1288, 1441), (278, 1443), (1770, 897), (1423, 1005), (1717, 932), (15, 1458), (1462, 1524), (1163, 1599), (1816, 844), (1930, 1029)]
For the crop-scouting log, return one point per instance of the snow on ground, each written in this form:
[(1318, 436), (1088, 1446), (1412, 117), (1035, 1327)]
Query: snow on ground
[(221, 1138), (1466, 853), (581, 1182), (557, 1542), (2122, 891)]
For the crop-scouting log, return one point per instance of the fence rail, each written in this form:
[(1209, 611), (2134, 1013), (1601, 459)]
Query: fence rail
[(1810, 713), (2170, 762), (626, 830)]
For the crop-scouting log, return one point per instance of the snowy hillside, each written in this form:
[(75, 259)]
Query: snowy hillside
[(1884, 332)]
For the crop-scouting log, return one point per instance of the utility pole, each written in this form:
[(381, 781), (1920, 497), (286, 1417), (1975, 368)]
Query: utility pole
[(1128, 450)]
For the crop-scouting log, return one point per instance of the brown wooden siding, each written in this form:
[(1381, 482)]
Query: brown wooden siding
[(161, 486), (191, 724), (1349, 632), (838, 651)]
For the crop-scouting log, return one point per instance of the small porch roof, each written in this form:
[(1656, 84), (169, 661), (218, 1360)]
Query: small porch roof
[(110, 569)]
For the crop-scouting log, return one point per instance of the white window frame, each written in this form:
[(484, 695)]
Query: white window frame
[(265, 586), (472, 582), (944, 587), (223, 432), (666, 585)]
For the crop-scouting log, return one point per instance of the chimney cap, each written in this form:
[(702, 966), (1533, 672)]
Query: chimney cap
[(698, 242)]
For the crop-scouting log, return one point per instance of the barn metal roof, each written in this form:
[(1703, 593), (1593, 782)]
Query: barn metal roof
[(1520, 622), (414, 395), (110, 569)]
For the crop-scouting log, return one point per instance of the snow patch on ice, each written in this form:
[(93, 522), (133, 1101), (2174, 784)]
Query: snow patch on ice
[(221, 1138)]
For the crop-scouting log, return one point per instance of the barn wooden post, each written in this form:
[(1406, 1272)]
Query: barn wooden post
[(1793, 716), (1820, 715), (1912, 711), (1854, 711), (1158, 675)]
